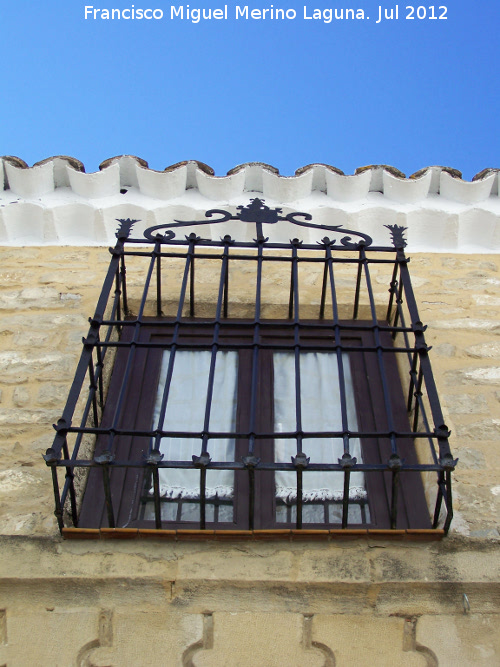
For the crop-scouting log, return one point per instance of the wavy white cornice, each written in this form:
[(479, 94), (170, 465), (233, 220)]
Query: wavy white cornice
[(130, 171), (56, 202)]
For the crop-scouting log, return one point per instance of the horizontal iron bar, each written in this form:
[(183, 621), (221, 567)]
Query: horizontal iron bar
[(235, 465), (324, 325), (263, 346), (290, 435), (206, 243)]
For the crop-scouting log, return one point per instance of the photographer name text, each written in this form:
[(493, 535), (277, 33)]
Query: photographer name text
[(270, 13)]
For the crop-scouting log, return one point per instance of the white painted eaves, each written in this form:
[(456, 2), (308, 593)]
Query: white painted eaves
[(56, 202)]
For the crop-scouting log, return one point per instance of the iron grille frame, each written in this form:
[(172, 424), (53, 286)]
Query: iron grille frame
[(159, 245)]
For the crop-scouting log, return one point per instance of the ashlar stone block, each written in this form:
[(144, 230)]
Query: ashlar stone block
[(249, 639), (368, 640), (468, 640)]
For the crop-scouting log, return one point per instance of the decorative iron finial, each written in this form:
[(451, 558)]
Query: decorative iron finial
[(257, 213), (397, 235), (126, 224), (300, 461)]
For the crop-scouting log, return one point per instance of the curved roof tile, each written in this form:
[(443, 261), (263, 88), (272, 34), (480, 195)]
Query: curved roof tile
[(60, 171)]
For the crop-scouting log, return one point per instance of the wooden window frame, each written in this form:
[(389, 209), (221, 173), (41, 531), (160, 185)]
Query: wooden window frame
[(127, 483)]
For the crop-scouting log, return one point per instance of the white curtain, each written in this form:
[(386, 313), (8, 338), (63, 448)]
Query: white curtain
[(186, 412), (320, 408)]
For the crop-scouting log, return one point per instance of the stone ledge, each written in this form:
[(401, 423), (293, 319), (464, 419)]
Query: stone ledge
[(243, 595), (235, 535), (362, 560)]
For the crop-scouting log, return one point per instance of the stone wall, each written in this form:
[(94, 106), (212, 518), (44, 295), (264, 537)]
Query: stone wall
[(147, 602)]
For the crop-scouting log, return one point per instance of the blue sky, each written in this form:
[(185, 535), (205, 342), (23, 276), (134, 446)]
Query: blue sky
[(404, 92)]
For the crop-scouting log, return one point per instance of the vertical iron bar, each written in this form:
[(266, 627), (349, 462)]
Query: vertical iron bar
[(345, 498), (399, 302), (156, 494), (123, 272), (255, 352), (418, 392), (158, 285), (358, 287), (292, 291), (398, 314), (107, 495), (323, 292), (342, 388), (449, 502), (254, 386), (226, 290), (363, 512), (411, 386), (100, 366), (298, 405), (439, 499), (392, 288), (296, 341), (205, 460), (191, 289), (300, 492), (117, 296), (57, 497), (251, 498), (203, 496), (394, 497), (70, 476), (92, 390)]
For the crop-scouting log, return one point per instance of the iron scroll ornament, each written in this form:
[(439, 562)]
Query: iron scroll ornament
[(256, 212)]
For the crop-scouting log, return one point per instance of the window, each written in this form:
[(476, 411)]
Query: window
[(225, 412)]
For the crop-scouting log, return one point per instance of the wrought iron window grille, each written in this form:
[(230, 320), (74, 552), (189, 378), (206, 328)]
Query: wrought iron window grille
[(123, 315)]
